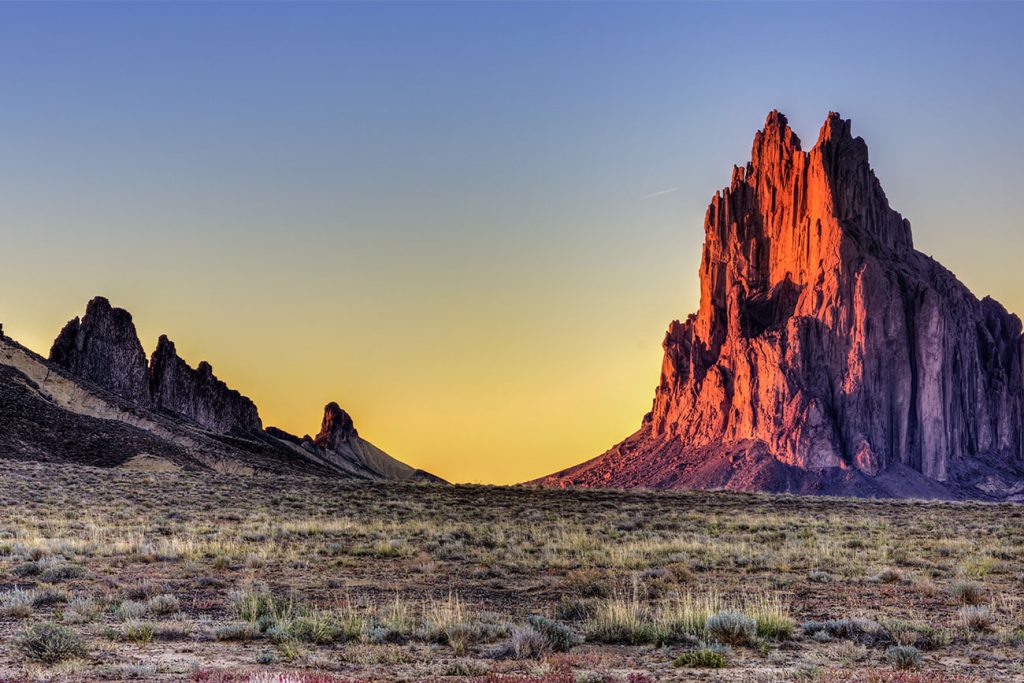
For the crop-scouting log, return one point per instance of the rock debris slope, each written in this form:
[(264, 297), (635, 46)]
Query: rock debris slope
[(827, 355)]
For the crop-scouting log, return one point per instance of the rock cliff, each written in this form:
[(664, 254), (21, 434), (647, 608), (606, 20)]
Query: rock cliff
[(827, 355), (197, 393), (103, 347)]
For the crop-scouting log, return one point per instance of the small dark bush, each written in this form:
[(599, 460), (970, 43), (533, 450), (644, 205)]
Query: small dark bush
[(705, 658), (732, 628), (560, 637), (904, 657)]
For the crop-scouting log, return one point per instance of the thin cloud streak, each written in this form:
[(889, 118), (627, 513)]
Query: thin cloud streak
[(658, 194)]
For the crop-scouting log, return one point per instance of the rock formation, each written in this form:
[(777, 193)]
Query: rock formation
[(197, 393), (103, 348), (339, 445), (96, 402), (336, 427), (827, 354)]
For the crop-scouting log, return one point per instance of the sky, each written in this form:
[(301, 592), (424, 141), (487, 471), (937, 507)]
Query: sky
[(469, 224)]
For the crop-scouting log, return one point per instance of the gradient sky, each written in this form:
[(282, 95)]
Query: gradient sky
[(469, 224)]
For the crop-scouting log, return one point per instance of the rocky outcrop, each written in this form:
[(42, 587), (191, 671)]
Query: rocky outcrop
[(336, 427), (824, 343), (339, 445), (179, 418), (197, 393), (103, 348)]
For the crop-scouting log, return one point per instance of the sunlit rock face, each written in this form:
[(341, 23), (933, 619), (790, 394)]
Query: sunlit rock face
[(826, 352)]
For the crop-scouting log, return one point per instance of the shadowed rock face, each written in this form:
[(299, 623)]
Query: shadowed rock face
[(825, 343), (197, 393), (103, 348), (128, 415)]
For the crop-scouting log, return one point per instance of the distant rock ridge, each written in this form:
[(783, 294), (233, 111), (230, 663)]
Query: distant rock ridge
[(97, 401), (103, 347), (827, 354)]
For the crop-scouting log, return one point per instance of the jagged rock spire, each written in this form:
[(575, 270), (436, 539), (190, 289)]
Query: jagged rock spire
[(103, 347), (337, 426), (198, 394)]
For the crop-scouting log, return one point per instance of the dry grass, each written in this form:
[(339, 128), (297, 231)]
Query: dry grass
[(116, 575)]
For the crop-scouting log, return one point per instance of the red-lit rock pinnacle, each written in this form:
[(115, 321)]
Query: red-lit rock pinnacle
[(827, 354)]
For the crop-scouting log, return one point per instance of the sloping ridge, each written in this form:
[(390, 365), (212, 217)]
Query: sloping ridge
[(98, 401), (828, 355)]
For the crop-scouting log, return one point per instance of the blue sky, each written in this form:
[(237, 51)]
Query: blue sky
[(408, 207)]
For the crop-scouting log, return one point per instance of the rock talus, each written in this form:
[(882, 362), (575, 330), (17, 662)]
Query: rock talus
[(825, 346)]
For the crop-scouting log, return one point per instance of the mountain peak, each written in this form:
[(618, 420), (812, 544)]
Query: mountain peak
[(835, 127), (774, 144)]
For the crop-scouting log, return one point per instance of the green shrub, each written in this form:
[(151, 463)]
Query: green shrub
[(904, 657), (130, 609), (289, 650), (843, 629), (621, 619), (775, 627), (572, 609), (527, 643), (138, 632), (888, 576), (81, 610), (17, 602), (901, 632), (50, 643), (61, 572), (27, 569), (163, 604), (731, 627), (589, 583), (967, 592), (319, 629), (560, 637), (978, 618), (704, 658), (50, 595), (239, 632), (931, 638)]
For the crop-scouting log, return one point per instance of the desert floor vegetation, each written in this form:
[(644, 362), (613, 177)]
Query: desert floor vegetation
[(125, 575)]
